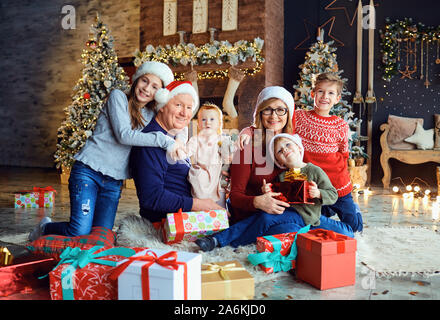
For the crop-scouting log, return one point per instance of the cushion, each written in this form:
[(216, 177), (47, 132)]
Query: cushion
[(400, 129), (53, 245), (437, 132), (423, 139)]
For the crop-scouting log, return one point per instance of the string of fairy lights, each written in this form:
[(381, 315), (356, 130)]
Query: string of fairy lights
[(394, 34), (215, 52)]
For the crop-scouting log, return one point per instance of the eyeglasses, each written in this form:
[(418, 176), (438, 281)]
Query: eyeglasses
[(278, 111)]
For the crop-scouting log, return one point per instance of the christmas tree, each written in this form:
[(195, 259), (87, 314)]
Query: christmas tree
[(321, 58), (101, 74)]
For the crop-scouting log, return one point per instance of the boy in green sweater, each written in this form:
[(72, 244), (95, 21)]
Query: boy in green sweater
[(287, 152)]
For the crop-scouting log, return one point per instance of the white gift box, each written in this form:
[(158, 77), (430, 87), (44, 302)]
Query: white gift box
[(164, 284)]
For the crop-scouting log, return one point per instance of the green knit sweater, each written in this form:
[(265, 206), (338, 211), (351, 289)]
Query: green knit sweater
[(311, 213)]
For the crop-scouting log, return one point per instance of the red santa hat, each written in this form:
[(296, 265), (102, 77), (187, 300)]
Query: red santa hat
[(164, 95)]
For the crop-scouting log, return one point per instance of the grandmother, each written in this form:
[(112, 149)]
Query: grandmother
[(274, 114)]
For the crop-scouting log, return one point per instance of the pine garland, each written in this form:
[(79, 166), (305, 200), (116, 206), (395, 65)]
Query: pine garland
[(217, 52)]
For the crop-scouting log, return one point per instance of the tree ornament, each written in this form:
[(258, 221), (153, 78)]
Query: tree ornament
[(86, 95), (92, 44)]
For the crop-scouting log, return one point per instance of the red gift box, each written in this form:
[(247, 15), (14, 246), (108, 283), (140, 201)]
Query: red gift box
[(89, 280), (23, 276), (326, 259), (264, 245), (294, 192)]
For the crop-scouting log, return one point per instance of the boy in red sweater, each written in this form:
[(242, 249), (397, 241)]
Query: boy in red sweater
[(325, 140)]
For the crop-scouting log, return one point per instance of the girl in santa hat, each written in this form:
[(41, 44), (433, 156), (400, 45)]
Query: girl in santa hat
[(102, 164)]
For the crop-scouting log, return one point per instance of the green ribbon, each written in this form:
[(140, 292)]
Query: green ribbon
[(78, 258), (275, 259)]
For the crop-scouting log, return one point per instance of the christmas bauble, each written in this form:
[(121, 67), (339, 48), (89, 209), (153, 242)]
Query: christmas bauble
[(107, 83), (91, 44), (86, 95)]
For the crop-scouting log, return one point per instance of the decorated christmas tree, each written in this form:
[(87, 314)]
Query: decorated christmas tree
[(321, 58), (101, 74)]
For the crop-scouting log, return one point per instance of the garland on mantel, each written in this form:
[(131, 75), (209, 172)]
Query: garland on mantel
[(219, 52), (401, 30)]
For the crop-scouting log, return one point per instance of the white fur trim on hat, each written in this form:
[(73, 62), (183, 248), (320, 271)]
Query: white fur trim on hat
[(159, 69), (279, 93), (295, 139), (164, 95)]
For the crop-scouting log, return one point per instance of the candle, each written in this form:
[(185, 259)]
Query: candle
[(372, 25), (358, 95)]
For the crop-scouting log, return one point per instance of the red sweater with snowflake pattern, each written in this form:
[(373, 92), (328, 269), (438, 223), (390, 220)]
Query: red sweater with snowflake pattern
[(325, 141)]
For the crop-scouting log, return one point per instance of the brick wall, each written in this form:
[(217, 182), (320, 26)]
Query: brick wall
[(257, 18), (40, 64), (40, 61)]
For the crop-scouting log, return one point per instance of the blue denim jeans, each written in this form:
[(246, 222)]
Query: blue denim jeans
[(94, 199), (262, 224), (347, 210)]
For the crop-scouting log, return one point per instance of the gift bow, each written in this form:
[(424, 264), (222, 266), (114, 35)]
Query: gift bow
[(78, 258), (222, 271), (319, 234), (294, 174), (275, 259), (167, 260), (41, 192)]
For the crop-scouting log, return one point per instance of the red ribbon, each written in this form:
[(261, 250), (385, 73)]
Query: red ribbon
[(41, 192), (321, 234), (180, 230), (168, 261)]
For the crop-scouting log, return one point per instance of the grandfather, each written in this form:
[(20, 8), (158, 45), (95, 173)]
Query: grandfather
[(161, 184)]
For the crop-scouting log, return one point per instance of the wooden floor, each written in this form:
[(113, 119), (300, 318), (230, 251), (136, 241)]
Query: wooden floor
[(379, 209)]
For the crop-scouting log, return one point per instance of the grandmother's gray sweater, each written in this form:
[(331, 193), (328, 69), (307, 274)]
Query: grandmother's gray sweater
[(107, 150)]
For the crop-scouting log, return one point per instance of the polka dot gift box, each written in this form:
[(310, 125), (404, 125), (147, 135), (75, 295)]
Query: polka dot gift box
[(36, 198), (193, 225)]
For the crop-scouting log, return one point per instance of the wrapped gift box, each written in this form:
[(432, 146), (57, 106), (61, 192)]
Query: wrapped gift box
[(85, 274), (155, 274), (277, 252), (192, 225), (36, 198), (226, 280), (22, 276), (294, 192), (282, 242), (326, 259)]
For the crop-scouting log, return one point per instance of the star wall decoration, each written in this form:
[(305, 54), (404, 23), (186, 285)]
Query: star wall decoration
[(407, 73), (349, 20), (329, 34)]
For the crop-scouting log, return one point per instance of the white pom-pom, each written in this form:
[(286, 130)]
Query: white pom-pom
[(161, 95)]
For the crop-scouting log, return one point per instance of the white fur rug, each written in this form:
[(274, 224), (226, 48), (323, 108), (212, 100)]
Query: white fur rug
[(399, 251), (135, 231)]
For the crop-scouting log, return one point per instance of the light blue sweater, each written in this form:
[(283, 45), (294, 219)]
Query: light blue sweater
[(108, 149)]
